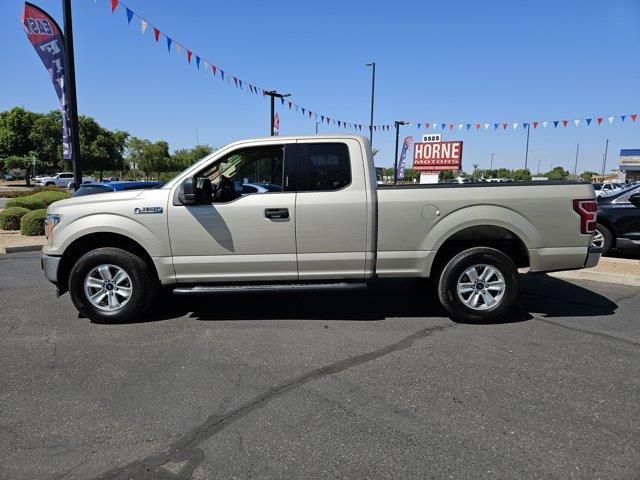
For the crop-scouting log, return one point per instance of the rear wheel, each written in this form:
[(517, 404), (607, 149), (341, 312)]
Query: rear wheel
[(603, 238), (49, 184), (479, 285), (111, 285)]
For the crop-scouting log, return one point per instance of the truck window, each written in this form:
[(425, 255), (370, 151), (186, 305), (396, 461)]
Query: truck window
[(327, 167), (250, 170)]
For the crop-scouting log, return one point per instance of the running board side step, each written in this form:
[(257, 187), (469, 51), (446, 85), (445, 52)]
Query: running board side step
[(301, 287)]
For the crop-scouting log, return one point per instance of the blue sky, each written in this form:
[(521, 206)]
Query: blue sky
[(449, 62)]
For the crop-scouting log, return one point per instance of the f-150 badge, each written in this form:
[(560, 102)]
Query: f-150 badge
[(145, 210)]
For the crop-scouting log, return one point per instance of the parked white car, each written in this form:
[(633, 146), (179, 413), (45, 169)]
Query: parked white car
[(605, 188), (61, 179)]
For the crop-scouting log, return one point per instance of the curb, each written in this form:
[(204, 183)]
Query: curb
[(617, 278), (24, 248)]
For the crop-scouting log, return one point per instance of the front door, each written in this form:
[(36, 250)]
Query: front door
[(243, 228)]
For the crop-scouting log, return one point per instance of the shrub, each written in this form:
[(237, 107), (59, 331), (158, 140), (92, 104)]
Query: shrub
[(32, 223), (37, 200), (10, 218)]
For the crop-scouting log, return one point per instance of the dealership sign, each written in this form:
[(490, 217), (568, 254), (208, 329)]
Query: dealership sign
[(629, 157), (437, 156)]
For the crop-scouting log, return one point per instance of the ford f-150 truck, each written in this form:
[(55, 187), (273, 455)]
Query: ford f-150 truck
[(320, 221)]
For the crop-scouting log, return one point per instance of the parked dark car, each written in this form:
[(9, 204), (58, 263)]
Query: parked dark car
[(619, 220), (95, 187)]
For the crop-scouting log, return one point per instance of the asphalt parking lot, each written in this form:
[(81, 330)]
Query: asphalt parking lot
[(377, 384)]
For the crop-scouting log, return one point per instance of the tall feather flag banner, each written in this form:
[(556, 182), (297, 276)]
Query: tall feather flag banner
[(251, 88), (46, 37)]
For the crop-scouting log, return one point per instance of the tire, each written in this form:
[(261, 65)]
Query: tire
[(459, 270), (603, 238), (111, 303), (49, 184)]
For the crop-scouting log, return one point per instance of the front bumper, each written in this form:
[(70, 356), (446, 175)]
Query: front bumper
[(593, 256), (50, 265)]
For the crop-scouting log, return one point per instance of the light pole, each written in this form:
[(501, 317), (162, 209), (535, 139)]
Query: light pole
[(273, 94), (539, 166), (373, 90), (575, 165), (604, 158), (475, 168), (395, 165), (70, 81), (491, 165), (526, 152), (317, 123)]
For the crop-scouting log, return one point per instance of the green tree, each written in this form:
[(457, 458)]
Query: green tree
[(100, 149), (46, 136), (521, 174), (148, 157), (15, 128), (19, 163), (446, 175), (558, 173), (185, 157), (588, 175)]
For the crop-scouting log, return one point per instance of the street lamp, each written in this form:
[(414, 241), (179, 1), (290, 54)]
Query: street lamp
[(539, 166), (273, 94), (492, 155), (604, 159), (575, 165), (395, 165), (317, 123), (373, 89)]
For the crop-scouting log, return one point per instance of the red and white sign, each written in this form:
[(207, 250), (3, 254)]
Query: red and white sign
[(437, 156)]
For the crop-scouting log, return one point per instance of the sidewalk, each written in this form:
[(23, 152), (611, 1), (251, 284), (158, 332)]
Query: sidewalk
[(622, 271), (12, 239)]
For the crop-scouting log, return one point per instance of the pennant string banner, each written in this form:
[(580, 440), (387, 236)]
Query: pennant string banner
[(308, 113)]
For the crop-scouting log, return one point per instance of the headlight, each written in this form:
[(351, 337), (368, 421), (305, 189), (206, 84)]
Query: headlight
[(50, 221)]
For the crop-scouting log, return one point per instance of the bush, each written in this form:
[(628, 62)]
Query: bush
[(26, 193), (37, 200), (32, 223), (10, 218)]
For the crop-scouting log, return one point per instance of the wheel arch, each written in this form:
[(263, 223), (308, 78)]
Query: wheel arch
[(94, 240)]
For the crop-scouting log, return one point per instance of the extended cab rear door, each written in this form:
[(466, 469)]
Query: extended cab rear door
[(332, 216)]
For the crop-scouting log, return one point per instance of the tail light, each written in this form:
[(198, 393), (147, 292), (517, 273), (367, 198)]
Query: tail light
[(587, 209)]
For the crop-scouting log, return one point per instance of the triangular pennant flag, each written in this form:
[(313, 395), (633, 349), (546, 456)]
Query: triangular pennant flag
[(426, 125), (310, 113), (577, 122), (156, 33), (623, 117), (486, 126), (297, 107), (504, 126), (302, 110), (633, 117), (599, 119), (535, 125), (222, 75), (189, 56), (477, 126), (328, 120), (525, 126), (213, 69), (515, 125), (129, 15), (114, 5), (206, 66), (169, 44), (460, 126), (495, 126), (555, 123), (434, 125), (339, 122), (143, 26), (588, 120), (178, 48), (468, 126), (235, 80), (290, 105), (240, 83), (444, 125), (565, 122), (198, 63), (321, 118), (610, 120), (544, 124), (451, 126), (419, 126), (282, 100)]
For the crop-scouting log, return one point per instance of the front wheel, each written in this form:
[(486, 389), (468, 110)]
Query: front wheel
[(111, 285), (479, 285)]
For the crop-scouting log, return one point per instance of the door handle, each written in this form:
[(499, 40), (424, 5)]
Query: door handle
[(276, 213)]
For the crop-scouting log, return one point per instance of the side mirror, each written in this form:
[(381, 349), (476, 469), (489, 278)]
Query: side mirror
[(187, 192), (635, 199)]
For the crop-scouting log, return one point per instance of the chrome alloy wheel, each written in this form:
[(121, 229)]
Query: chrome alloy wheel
[(598, 239), (481, 287), (108, 287)]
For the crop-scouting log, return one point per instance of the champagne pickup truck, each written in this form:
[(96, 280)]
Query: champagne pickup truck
[(294, 213)]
